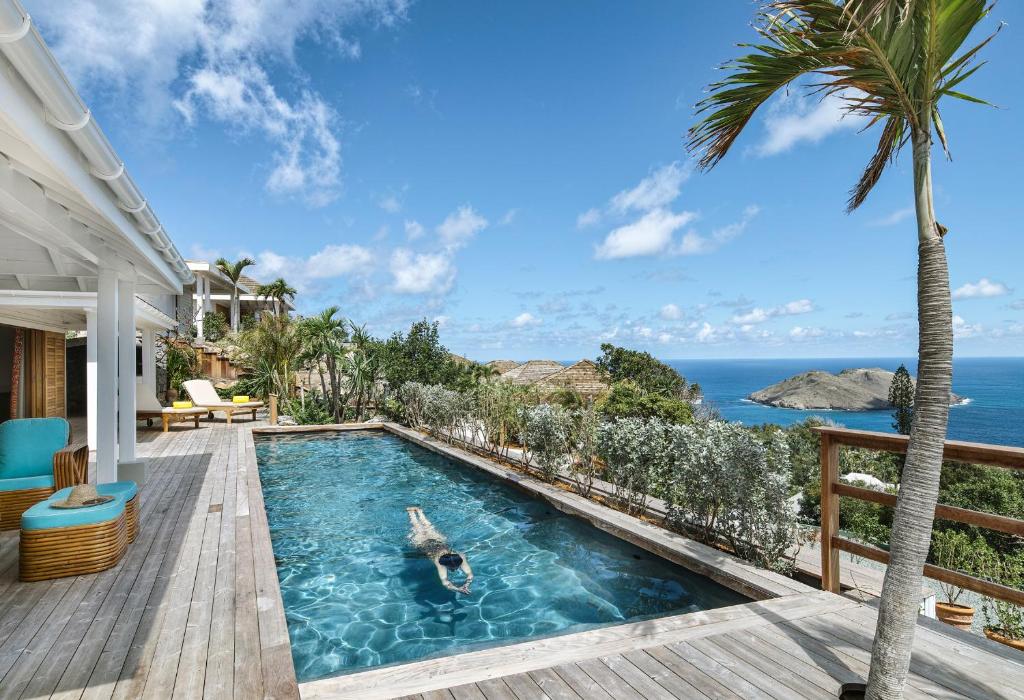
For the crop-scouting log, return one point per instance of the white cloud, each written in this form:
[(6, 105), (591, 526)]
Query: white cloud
[(794, 119), (671, 312), (201, 59), (421, 273), (200, 252), (980, 289), (655, 191), (460, 226), (664, 338), (330, 262), (591, 217), (391, 204), (525, 319), (963, 329), (650, 235), (414, 229), (760, 315), (695, 244), (802, 333), (895, 217), (508, 217), (707, 333), (337, 260)]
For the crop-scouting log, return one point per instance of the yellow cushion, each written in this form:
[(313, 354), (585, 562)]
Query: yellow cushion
[(240, 399), (181, 404)]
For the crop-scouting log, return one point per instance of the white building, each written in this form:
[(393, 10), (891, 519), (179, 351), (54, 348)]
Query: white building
[(80, 248)]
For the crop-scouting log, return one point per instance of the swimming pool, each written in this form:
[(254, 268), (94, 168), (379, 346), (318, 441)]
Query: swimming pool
[(357, 595)]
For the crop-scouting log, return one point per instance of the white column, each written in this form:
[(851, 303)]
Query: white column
[(128, 468), (106, 376), (149, 359), (90, 377), (200, 302)]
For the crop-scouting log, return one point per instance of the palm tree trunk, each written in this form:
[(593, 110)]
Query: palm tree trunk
[(919, 489)]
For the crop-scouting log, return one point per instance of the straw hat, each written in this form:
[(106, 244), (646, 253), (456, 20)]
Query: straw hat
[(82, 496)]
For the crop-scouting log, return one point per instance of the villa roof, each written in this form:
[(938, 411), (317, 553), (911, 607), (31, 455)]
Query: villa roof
[(584, 377), (532, 371), (502, 366)]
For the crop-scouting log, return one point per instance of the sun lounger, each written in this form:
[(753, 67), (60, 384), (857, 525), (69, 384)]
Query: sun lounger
[(147, 408), (203, 394)]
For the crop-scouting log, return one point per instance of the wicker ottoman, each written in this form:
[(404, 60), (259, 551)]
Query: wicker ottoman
[(58, 542)]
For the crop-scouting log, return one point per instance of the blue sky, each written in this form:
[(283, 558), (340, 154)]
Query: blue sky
[(517, 171)]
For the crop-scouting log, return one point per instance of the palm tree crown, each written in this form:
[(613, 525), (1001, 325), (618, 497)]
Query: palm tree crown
[(233, 271)]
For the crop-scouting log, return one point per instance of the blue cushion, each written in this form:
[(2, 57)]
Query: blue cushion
[(125, 490), (42, 516), (27, 482), (27, 446)]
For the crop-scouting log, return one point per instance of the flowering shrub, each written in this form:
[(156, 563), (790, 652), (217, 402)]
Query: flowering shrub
[(637, 455), (545, 434)]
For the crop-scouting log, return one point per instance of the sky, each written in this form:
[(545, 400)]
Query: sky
[(518, 172)]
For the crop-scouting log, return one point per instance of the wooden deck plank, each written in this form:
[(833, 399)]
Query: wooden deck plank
[(579, 681), (553, 685), (496, 689), (470, 691), (609, 680), (525, 688), (752, 672), (691, 674), (725, 676), (220, 662), (640, 682)]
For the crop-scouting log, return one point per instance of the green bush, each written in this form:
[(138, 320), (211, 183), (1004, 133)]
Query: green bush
[(311, 409), (182, 364), (628, 400), (215, 326)]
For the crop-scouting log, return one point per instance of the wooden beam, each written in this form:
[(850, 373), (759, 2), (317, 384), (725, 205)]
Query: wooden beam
[(830, 577), (955, 578), (957, 451)]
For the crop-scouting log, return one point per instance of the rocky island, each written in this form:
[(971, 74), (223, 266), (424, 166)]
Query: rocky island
[(861, 389)]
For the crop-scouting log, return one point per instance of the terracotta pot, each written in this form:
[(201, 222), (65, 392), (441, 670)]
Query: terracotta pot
[(959, 616), (852, 691), (996, 636)]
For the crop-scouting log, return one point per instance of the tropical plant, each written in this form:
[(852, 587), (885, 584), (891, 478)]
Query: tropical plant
[(233, 271), (182, 363), (891, 62), (323, 341), (278, 292), (215, 326), (500, 409), (310, 408), (583, 463), (629, 400), (901, 398), (959, 552), (641, 368), (637, 456), (546, 434), (268, 355), (1001, 616)]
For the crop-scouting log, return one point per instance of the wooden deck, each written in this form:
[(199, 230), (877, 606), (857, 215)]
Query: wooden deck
[(194, 610)]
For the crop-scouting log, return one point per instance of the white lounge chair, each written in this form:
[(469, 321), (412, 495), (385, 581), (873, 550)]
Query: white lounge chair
[(203, 394), (147, 408)]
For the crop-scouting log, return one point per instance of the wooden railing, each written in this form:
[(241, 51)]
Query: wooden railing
[(832, 489)]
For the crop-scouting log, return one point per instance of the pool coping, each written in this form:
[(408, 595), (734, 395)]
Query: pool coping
[(773, 594)]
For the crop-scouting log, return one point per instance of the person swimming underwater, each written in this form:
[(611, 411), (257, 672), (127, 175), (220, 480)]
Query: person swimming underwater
[(432, 543)]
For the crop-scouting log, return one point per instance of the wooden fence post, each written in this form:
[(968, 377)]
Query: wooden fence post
[(273, 409), (829, 514)]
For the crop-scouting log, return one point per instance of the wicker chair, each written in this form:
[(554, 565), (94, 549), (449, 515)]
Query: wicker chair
[(36, 459)]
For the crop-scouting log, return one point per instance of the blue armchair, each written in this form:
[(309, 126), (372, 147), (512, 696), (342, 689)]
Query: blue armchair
[(36, 459)]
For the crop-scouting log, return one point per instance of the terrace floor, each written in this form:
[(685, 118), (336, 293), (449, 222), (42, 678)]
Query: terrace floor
[(194, 610)]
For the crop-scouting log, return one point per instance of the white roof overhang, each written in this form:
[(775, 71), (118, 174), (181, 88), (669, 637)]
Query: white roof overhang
[(67, 204), (65, 311)]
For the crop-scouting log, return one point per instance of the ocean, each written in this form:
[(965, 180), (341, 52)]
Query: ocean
[(993, 387)]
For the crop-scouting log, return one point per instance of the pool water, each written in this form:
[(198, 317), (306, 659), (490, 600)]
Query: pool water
[(357, 594)]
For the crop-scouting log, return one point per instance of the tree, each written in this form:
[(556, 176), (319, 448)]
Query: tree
[(890, 62), (627, 400), (647, 372), (278, 292), (901, 398), (323, 347), (233, 271), (419, 356)]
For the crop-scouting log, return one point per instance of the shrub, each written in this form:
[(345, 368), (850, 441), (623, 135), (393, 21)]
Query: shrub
[(628, 400), (182, 363), (957, 551), (215, 326), (637, 456), (310, 409), (1005, 618), (727, 482), (583, 464), (545, 433)]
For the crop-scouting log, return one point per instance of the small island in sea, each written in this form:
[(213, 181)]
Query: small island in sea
[(856, 389)]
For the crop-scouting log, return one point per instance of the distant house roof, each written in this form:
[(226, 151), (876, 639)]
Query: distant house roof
[(502, 366), (584, 377), (532, 371)]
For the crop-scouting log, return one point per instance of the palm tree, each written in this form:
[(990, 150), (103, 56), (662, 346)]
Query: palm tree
[(278, 291), (324, 337), (890, 61), (233, 271)]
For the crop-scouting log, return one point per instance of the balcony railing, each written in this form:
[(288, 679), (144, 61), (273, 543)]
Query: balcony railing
[(832, 489)]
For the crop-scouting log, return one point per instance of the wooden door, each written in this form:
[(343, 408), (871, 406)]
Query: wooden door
[(45, 375)]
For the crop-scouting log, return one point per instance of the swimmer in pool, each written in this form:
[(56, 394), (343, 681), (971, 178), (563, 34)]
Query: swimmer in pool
[(428, 540)]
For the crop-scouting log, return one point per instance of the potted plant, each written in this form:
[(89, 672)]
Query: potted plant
[(954, 550), (1004, 622)]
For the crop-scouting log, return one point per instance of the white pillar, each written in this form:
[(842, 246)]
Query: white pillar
[(90, 377), (149, 359), (200, 302), (106, 376), (128, 468)]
